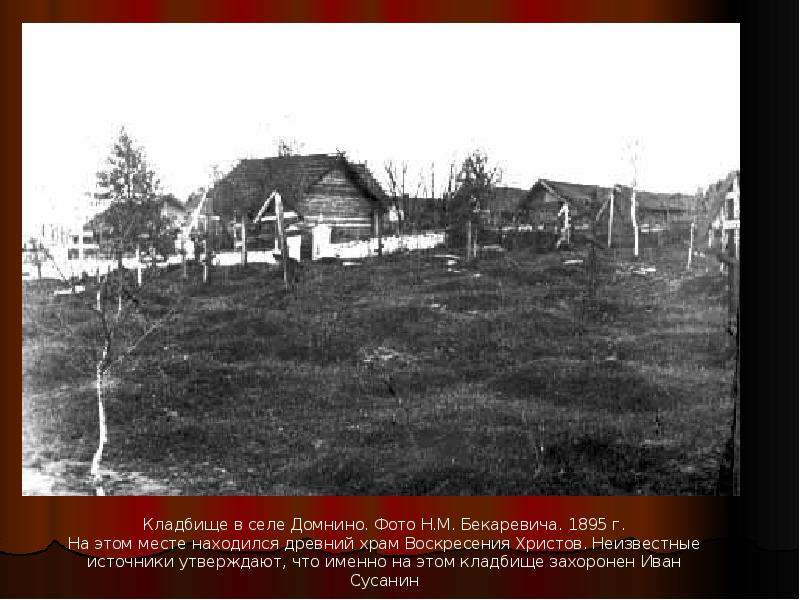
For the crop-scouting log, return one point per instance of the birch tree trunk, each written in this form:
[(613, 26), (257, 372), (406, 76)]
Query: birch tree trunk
[(103, 432), (119, 293), (635, 224), (610, 217), (138, 266), (379, 232), (205, 261)]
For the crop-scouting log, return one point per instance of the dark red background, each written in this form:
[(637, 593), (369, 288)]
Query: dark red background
[(380, 10)]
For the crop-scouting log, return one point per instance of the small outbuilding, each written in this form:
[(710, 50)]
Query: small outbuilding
[(317, 189), (588, 205)]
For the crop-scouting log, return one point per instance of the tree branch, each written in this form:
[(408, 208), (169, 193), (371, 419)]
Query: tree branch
[(141, 338)]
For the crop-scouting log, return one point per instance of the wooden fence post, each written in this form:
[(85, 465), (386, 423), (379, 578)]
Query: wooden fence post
[(244, 241), (282, 238), (378, 231), (469, 239), (183, 258), (691, 246)]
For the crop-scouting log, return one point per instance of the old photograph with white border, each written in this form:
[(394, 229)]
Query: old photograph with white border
[(380, 259)]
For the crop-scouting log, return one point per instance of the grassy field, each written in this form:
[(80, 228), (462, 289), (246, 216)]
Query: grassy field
[(510, 374)]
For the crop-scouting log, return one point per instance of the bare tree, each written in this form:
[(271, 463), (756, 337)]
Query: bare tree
[(421, 191), (396, 184), (119, 332), (633, 151), (119, 338), (434, 205), (289, 146), (449, 192)]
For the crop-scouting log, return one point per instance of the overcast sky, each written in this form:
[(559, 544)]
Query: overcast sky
[(543, 100)]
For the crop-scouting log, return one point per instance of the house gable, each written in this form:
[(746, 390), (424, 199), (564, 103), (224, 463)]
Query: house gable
[(325, 188), (587, 201), (338, 201), (248, 184)]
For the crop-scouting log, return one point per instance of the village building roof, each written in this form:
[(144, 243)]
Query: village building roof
[(251, 181), (571, 192), (170, 200), (161, 203), (586, 194), (506, 199), (663, 202), (194, 200)]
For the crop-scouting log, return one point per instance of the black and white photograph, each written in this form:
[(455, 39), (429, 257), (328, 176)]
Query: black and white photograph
[(380, 259)]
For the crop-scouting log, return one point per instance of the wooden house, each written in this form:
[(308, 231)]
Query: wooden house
[(541, 205), (660, 211), (722, 216), (317, 189), (172, 210), (167, 210), (589, 206), (503, 206), (167, 207)]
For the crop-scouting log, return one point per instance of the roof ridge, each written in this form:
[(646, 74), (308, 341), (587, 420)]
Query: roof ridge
[(316, 155)]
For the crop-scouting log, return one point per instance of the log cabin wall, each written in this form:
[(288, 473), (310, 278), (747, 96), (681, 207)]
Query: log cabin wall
[(546, 212), (537, 207), (320, 188), (546, 206), (336, 201), (664, 211)]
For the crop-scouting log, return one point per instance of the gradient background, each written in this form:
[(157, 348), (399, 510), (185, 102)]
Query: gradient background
[(32, 565)]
